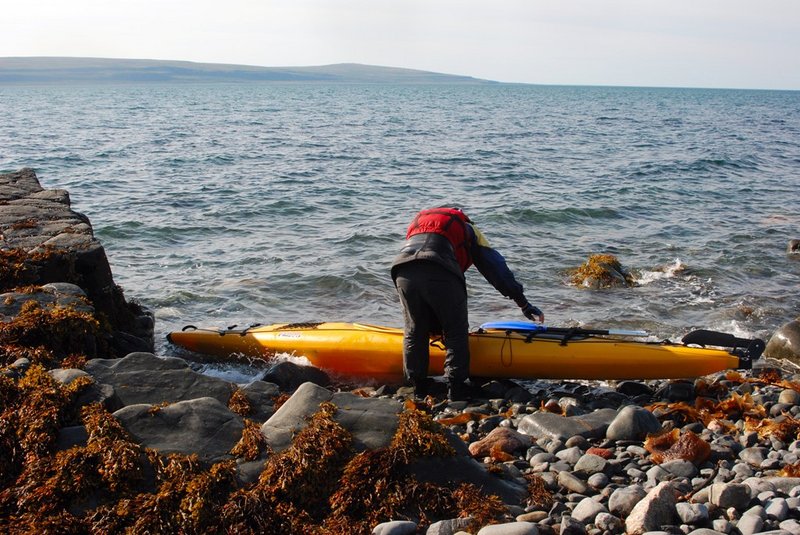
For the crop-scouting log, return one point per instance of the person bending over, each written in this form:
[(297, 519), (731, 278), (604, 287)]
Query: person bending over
[(441, 244)]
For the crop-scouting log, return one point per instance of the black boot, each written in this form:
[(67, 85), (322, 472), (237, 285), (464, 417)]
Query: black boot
[(421, 387), (458, 392)]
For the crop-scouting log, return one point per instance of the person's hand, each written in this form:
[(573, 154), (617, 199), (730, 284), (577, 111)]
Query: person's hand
[(531, 312)]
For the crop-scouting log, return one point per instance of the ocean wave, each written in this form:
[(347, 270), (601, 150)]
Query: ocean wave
[(560, 215), (643, 277)]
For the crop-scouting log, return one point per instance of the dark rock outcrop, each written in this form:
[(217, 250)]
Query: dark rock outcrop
[(43, 241)]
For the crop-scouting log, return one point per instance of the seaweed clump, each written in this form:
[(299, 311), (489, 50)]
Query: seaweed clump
[(601, 270), (672, 445), (114, 485), (46, 334)]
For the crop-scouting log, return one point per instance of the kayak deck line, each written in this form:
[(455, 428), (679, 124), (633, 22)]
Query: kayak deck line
[(375, 352)]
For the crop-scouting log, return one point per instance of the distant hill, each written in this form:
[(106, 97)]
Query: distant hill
[(55, 70)]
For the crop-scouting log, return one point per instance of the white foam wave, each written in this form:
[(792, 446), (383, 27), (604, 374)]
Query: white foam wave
[(645, 277)]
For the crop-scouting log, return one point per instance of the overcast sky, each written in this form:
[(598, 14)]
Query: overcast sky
[(686, 43)]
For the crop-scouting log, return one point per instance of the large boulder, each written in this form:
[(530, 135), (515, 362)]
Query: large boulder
[(785, 342), (45, 241), (145, 378), (373, 422), (203, 426)]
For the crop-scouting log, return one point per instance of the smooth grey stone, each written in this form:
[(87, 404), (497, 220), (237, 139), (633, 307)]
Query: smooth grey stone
[(510, 528), (749, 524), (598, 480), (632, 423), (571, 526), (395, 527), (680, 468), (591, 464), (692, 513), (546, 424), (448, 527), (753, 456), (777, 509), (622, 500), (725, 495), (570, 455), (587, 509), (791, 525), (65, 376), (608, 522), (572, 483)]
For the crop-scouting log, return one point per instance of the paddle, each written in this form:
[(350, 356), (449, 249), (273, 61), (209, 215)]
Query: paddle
[(532, 328)]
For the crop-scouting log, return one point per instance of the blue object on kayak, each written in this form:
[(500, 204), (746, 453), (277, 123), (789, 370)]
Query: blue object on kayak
[(517, 326)]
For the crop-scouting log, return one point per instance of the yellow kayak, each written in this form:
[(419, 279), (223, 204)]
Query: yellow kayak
[(370, 351)]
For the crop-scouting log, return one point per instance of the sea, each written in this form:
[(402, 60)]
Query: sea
[(233, 204)]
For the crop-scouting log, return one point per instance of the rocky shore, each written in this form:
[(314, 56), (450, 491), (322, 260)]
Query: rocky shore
[(99, 435)]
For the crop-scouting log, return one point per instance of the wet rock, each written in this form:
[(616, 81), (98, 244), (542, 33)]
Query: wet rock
[(545, 424), (203, 426), (653, 511), (785, 343), (288, 376), (793, 247), (145, 378), (632, 423), (71, 436)]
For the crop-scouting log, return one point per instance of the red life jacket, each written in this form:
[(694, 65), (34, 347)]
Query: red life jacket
[(450, 223)]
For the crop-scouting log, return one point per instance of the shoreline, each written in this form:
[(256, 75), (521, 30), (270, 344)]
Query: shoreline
[(718, 453)]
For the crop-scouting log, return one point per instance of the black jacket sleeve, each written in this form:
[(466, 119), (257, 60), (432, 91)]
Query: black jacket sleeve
[(493, 267)]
